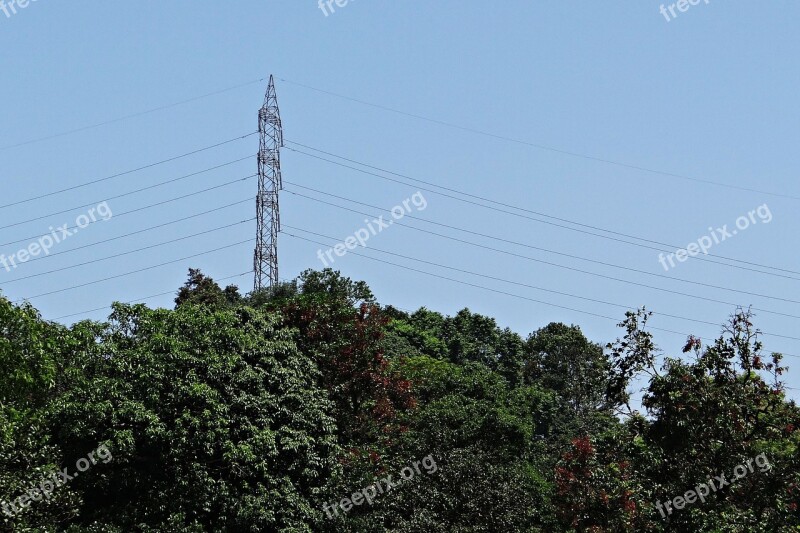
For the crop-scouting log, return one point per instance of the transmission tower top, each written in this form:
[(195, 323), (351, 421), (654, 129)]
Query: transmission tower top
[(272, 110), (268, 220)]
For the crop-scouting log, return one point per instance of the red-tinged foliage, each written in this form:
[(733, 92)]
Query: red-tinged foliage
[(692, 343), (591, 495), (348, 340)]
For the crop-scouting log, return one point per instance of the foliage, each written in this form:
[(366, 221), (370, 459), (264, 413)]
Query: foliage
[(251, 413), (213, 418)]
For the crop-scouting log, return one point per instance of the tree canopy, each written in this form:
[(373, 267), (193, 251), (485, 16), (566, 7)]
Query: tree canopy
[(267, 411)]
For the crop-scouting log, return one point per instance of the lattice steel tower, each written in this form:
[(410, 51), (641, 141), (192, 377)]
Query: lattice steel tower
[(268, 219)]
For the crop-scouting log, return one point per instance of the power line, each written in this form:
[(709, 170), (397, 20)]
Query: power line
[(132, 272), (511, 282), (544, 147), (145, 298), (133, 115), (497, 291), (250, 272), (151, 165), (531, 286), (225, 279), (234, 277), (699, 258), (144, 207), (123, 195), (126, 253), (182, 219), (527, 257)]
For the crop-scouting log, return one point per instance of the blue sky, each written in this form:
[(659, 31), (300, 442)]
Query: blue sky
[(710, 95)]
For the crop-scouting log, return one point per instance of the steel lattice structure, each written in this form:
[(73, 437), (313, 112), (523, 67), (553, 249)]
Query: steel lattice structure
[(268, 219)]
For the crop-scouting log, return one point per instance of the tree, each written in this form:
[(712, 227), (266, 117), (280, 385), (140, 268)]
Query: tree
[(560, 358), (213, 418), (466, 337), (706, 418), (200, 289), (29, 355), (717, 412), (342, 327), (487, 439)]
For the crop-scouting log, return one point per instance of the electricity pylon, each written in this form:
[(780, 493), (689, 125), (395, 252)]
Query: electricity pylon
[(268, 218)]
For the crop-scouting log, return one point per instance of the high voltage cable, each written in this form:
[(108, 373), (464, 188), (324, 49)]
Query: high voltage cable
[(435, 275), (151, 165), (131, 272), (149, 187), (145, 207), (182, 219), (145, 298), (706, 259), (527, 257), (503, 240), (132, 115), (245, 274), (489, 200), (493, 237), (513, 282), (530, 286), (544, 147), (127, 253), (501, 292), (466, 194)]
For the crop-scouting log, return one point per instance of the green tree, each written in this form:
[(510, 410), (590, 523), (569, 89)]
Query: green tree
[(29, 355), (213, 419), (488, 441), (561, 359), (719, 411), (200, 289), (342, 327)]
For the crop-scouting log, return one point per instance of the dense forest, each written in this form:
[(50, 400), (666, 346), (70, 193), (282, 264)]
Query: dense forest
[(313, 407)]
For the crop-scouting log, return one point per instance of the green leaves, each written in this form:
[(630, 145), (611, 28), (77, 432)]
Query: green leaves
[(216, 409), (236, 413), (27, 347)]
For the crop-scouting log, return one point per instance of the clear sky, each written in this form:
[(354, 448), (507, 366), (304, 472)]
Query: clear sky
[(708, 95)]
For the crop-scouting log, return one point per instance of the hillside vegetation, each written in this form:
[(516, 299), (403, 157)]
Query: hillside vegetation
[(306, 407)]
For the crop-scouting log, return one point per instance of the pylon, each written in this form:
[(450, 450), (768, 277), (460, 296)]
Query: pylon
[(268, 219)]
